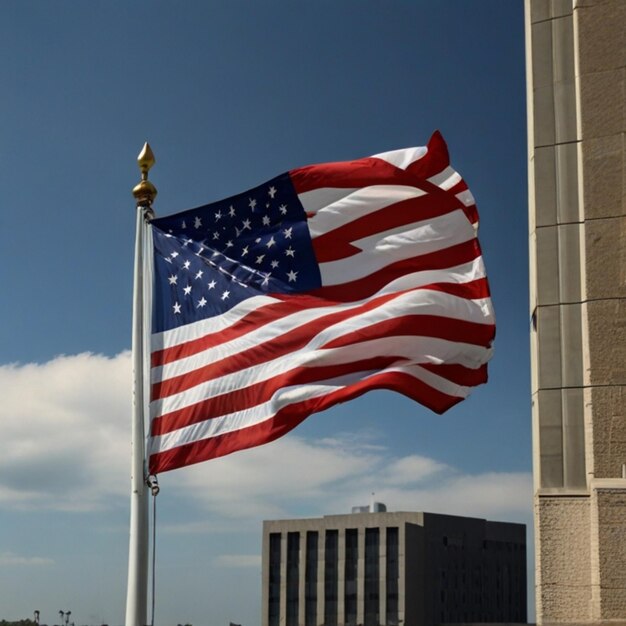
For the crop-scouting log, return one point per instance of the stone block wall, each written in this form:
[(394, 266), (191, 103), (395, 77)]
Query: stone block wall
[(576, 77)]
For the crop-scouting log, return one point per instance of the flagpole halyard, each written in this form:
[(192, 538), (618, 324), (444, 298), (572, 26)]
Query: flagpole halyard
[(137, 590)]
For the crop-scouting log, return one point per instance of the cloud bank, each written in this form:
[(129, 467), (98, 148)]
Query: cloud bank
[(65, 426)]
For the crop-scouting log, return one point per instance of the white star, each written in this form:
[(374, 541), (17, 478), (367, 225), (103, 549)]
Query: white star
[(225, 295), (218, 216), (186, 264), (201, 302), (246, 225), (183, 224), (216, 235), (274, 264), (211, 285), (292, 276), (229, 244), (244, 251), (259, 259), (271, 242), (231, 211), (288, 232), (199, 274), (167, 259), (266, 220), (252, 203), (272, 192), (197, 222), (173, 279), (186, 242), (283, 209), (200, 251), (187, 290), (290, 252), (174, 255), (176, 308), (266, 279), (267, 205)]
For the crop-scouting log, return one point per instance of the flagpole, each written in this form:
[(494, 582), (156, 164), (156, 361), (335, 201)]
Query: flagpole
[(137, 590)]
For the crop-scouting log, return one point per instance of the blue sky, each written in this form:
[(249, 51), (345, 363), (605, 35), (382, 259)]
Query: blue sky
[(229, 95)]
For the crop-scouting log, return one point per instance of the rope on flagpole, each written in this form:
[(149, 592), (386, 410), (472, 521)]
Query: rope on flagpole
[(153, 484)]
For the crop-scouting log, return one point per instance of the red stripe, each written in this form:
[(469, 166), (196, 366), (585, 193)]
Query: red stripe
[(364, 287), (435, 160), (248, 322), (298, 337), (283, 344), (473, 290), (290, 304), (289, 417), (419, 326), (372, 171), (336, 244), (459, 374), (470, 211), (258, 393)]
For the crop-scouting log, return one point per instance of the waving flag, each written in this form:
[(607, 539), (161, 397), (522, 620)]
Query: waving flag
[(311, 289)]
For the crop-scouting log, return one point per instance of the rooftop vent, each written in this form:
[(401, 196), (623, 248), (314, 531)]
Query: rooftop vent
[(374, 507)]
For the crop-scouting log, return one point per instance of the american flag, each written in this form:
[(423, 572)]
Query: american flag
[(311, 289)]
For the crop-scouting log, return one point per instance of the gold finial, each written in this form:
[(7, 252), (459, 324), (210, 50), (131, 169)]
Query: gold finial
[(145, 192)]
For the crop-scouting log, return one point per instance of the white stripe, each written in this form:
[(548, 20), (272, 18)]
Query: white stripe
[(357, 204), (289, 395), (415, 349), (439, 383), (398, 244), (196, 330), (424, 302), (460, 274), (446, 179), (402, 158), (232, 422), (408, 350), (466, 197), (314, 200)]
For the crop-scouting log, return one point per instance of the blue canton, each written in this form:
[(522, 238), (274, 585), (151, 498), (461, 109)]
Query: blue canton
[(207, 260)]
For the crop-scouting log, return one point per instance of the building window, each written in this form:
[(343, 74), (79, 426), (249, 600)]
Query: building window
[(331, 578), (372, 577), (310, 579), (352, 556), (392, 575), (293, 566), (274, 580)]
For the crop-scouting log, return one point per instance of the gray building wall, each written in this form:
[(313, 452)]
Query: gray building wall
[(576, 64), (449, 569)]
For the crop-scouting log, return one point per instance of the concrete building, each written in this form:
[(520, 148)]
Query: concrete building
[(409, 569), (576, 79)]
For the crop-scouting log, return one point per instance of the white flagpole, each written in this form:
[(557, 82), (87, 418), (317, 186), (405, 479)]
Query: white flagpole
[(137, 590)]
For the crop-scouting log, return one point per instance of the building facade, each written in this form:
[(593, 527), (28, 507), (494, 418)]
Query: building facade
[(409, 569), (576, 85)]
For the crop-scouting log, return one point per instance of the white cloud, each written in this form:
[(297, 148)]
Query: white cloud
[(238, 560), (298, 477), (10, 559), (411, 469), (65, 428)]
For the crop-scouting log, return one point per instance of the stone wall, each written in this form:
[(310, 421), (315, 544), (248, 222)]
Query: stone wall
[(576, 77)]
